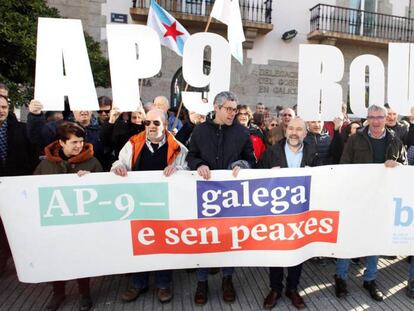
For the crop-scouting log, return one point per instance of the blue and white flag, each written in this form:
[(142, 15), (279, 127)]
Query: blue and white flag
[(172, 34)]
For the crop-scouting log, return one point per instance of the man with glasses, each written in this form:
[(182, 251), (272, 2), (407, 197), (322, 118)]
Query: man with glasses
[(105, 106), (152, 150), (371, 144), (219, 144)]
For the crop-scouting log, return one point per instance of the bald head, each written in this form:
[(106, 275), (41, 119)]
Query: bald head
[(298, 121), (161, 102), (155, 114), (155, 125)]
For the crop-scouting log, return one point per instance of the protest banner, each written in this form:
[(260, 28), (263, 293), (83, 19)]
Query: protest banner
[(66, 227)]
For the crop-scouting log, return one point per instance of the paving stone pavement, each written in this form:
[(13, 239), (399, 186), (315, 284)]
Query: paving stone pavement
[(251, 284)]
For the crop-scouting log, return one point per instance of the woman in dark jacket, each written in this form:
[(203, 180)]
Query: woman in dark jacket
[(69, 154)]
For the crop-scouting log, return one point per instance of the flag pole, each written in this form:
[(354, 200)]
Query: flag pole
[(186, 85), (141, 84), (208, 23)]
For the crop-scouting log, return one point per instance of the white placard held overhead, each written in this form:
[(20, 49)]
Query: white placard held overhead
[(134, 53), (358, 86), (401, 77), (193, 63), (321, 69), (62, 66)]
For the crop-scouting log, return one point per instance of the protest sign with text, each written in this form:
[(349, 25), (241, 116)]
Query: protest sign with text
[(66, 227), (135, 53)]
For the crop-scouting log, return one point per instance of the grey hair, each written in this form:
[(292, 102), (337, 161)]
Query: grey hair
[(287, 108), (164, 101), (222, 97), (375, 108)]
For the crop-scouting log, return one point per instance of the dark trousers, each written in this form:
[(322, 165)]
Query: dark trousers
[(292, 280), (83, 285), (4, 246), (163, 279)]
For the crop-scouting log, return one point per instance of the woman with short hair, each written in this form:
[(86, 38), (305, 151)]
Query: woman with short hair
[(69, 154)]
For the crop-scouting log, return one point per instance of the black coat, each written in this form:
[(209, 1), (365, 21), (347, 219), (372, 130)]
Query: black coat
[(21, 155), (117, 135), (184, 134), (219, 146), (358, 148), (43, 133), (275, 156)]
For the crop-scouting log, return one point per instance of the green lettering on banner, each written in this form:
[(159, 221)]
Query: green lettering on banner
[(101, 203)]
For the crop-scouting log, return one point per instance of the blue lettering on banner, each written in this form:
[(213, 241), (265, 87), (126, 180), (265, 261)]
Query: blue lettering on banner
[(404, 215), (256, 197)]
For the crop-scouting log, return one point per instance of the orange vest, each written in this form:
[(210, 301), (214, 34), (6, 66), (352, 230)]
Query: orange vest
[(138, 142)]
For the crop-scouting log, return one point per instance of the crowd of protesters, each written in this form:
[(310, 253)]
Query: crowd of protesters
[(232, 137)]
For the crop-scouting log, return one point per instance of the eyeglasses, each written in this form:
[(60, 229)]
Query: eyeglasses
[(230, 110), (155, 122), (286, 115), (376, 118), (273, 124), (106, 111)]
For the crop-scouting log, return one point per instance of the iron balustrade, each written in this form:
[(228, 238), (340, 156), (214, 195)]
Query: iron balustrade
[(257, 11), (331, 18)]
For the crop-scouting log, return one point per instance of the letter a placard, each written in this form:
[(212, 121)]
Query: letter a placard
[(62, 66)]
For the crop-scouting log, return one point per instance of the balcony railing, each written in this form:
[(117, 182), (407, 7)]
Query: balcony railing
[(257, 11), (328, 18)]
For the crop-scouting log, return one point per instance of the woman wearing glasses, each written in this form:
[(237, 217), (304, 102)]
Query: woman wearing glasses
[(244, 117)]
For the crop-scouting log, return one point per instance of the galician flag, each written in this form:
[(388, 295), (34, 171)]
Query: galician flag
[(172, 34), (228, 12)]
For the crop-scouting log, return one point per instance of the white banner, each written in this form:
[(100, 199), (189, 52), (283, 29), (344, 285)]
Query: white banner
[(66, 227)]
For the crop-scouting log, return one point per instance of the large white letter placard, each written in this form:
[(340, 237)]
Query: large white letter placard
[(193, 63), (62, 66), (134, 53), (321, 67), (357, 83), (401, 77)]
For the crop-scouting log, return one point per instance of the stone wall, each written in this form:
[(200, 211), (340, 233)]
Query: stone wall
[(89, 11)]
